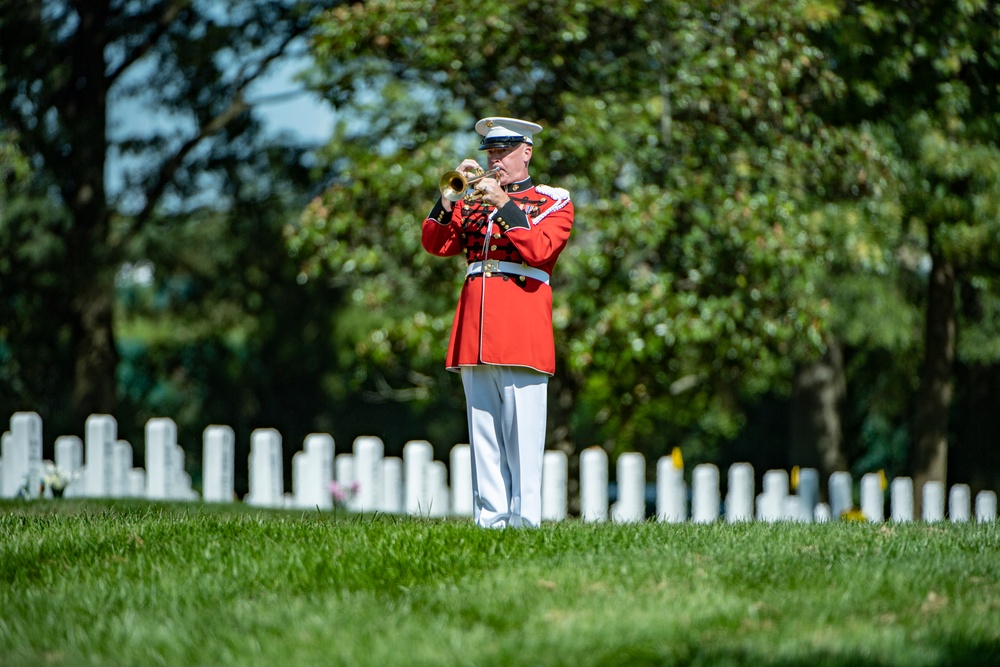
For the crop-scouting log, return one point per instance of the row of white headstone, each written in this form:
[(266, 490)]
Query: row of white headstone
[(365, 480), (109, 471)]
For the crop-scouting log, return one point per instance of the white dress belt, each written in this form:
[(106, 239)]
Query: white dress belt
[(492, 266)]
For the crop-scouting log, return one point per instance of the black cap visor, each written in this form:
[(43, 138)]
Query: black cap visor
[(501, 142)]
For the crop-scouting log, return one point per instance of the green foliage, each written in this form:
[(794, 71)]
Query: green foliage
[(137, 583), (14, 167), (980, 342), (927, 74), (33, 351)]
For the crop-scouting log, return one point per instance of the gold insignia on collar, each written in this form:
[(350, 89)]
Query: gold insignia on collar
[(515, 187)]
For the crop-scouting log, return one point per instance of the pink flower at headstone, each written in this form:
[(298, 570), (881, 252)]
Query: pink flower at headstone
[(339, 495)]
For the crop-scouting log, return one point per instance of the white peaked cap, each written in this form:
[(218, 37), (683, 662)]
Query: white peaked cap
[(499, 131)]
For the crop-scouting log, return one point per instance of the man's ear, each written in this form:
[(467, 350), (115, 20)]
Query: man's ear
[(527, 152)]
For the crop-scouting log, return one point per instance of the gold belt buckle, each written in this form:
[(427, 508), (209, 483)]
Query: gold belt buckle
[(490, 267)]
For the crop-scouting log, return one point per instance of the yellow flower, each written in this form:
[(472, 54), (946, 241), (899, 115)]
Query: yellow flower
[(677, 459)]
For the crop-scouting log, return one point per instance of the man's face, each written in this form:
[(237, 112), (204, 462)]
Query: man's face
[(513, 162)]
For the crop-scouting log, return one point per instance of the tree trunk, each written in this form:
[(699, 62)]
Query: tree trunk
[(930, 456), (817, 437), (95, 357), (90, 260)]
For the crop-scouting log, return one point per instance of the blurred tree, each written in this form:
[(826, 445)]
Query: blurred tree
[(929, 73), (709, 196), (191, 63)]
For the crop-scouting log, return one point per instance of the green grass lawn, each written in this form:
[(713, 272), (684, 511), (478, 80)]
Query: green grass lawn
[(134, 583)]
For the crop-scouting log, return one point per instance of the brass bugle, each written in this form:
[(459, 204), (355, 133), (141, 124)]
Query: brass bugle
[(455, 185)]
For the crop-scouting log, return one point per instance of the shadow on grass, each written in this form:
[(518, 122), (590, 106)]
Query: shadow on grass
[(957, 653)]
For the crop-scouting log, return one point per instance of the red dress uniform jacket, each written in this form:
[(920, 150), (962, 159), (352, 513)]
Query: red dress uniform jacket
[(504, 319)]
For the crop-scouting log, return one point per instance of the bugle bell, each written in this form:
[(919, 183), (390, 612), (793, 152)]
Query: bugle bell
[(455, 185)]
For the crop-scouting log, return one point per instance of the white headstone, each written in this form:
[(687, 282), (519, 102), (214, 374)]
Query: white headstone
[(343, 470), (740, 493), (182, 479), (392, 485), (593, 485), (901, 499), (437, 479), (312, 472), (343, 473), (99, 442), (161, 455), (793, 508), (266, 467), (187, 491), (22, 455), (69, 454), (771, 505), (872, 497), (555, 481), (822, 513), (136, 483), (218, 463), (986, 506), (121, 464), (461, 480), (671, 491), (631, 478), (321, 449), (776, 483), (808, 490), (69, 461), (368, 454), (841, 493), (417, 455), (960, 503), (933, 497), (705, 498), (303, 478)]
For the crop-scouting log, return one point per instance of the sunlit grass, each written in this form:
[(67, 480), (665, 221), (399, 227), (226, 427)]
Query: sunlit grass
[(148, 584)]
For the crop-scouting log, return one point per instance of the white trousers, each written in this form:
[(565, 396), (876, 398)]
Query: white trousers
[(506, 407)]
